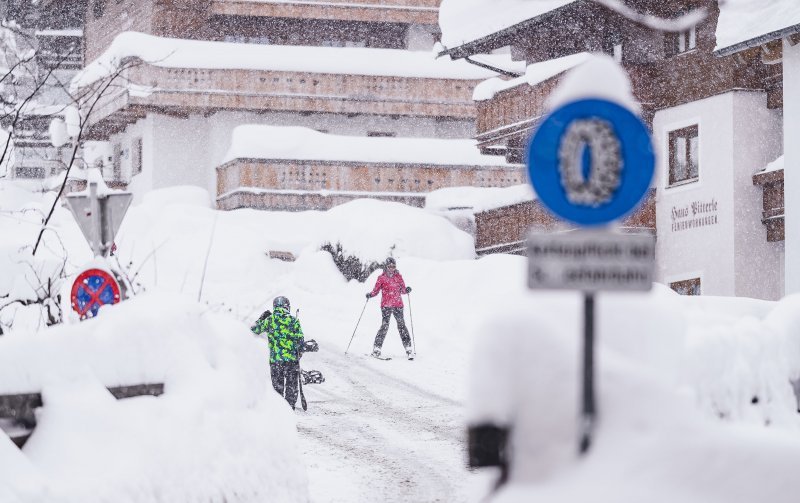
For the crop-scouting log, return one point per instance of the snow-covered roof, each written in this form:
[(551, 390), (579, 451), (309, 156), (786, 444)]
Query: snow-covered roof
[(743, 21), (180, 53), (464, 21), (776, 165), (534, 74), (299, 143), (478, 199)]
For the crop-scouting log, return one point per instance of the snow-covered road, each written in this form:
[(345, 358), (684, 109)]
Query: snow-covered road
[(370, 436)]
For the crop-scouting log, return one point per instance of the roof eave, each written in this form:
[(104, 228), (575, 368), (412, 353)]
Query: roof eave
[(489, 42), (755, 42)]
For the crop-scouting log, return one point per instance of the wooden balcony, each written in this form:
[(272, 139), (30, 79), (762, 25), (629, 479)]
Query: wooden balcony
[(185, 91), (302, 185), (505, 229), (773, 201), (386, 11), (506, 121)]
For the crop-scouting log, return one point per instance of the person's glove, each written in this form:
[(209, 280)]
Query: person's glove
[(369, 295), (408, 289)]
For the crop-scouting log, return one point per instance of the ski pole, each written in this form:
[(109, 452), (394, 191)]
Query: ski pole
[(357, 323), (411, 319)]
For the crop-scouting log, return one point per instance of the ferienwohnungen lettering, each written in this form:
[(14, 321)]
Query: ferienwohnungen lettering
[(694, 215)]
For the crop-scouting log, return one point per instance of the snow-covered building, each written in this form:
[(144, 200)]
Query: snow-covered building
[(34, 88), (194, 71), (771, 29), (716, 120)]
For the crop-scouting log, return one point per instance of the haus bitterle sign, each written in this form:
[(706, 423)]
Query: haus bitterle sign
[(694, 215)]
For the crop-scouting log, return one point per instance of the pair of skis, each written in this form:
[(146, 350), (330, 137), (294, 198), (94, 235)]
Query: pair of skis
[(385, 358)]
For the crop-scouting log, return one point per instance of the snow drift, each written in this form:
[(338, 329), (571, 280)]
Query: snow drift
[(218, 433)]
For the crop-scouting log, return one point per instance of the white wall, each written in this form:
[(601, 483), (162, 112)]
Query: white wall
[(791, 113), (186, 151), (757, 141), (737, 137)]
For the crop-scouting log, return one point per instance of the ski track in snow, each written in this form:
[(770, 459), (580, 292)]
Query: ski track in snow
[(369, 436)]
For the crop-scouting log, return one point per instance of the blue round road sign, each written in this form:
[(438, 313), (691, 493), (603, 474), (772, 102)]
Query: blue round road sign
[(591, 162)]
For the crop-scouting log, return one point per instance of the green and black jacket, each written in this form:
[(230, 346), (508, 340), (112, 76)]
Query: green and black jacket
[(284, 334)]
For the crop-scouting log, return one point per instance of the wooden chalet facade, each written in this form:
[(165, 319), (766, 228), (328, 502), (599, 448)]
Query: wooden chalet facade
[(716, 122), (192, 104)]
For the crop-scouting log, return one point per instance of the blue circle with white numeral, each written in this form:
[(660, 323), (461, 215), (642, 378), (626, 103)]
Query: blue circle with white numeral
[(629, 182)]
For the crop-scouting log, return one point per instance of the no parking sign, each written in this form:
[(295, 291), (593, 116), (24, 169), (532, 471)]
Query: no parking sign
[(92, 289)]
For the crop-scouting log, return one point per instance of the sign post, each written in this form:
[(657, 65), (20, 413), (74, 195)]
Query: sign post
[(99, 216), (590, 162)]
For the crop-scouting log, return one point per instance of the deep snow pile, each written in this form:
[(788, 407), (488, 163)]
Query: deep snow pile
[(167, 239), (652, 443), (670, 367), (218, 433)]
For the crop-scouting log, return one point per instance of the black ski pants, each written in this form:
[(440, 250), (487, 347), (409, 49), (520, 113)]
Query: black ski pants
[(285, 380), (387, 313)]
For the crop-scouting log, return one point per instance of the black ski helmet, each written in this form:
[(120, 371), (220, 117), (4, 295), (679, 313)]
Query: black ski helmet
[(391, 261), (281, 302)]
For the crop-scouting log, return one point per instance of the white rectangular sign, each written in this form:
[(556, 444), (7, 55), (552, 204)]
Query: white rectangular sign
[(591, 261)]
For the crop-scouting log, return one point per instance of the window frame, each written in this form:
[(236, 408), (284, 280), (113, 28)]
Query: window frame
[(686, 38), (688, 133)]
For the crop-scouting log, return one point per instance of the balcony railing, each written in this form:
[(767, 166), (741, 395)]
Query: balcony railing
[(773, 209), (389, 11), (505, 122), (182, 91)]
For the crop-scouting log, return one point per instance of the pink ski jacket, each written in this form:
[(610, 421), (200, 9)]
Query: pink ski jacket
[(391, 287)]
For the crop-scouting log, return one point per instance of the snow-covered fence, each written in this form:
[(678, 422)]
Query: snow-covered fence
[(20, 409)]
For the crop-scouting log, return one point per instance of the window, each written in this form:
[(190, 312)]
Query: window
[(29, 172), (117, 162), (684, 151), (687, 286), (136, 157), (618, 53), (98, 8), (681, 42)]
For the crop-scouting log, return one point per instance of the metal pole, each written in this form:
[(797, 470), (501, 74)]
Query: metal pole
[(94, 207), (588, 403), (354, 330), (411, 319)]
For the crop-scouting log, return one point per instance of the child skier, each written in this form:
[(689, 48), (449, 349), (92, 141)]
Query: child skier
[(391, 286), (286, 345)]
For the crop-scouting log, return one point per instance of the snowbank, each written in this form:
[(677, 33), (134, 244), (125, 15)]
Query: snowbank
[(219, 431), (534, 74), (168, 242), (180, 53), (299, 143), (464, 21), (652, 443), (744, 20)]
